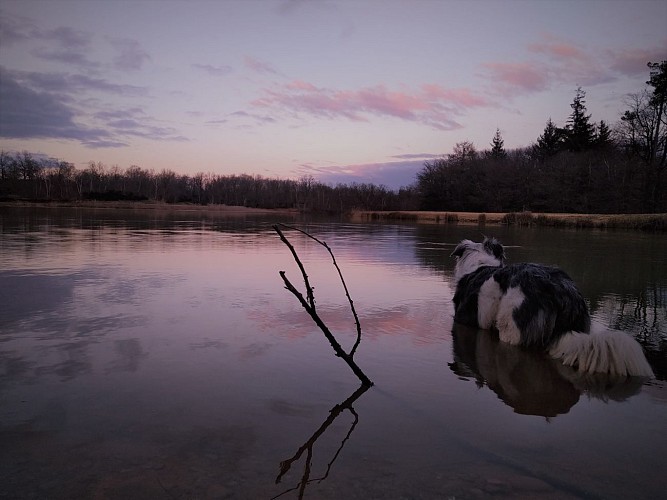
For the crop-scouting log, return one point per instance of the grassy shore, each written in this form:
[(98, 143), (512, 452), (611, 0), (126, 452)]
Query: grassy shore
[(152, 206), (645, 222)]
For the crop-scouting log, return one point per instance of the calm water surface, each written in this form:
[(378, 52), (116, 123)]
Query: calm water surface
[(147, 356)]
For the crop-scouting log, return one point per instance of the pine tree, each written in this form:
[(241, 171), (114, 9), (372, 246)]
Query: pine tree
[(580, 132), (603, 136), (551, 140), (498, 147)]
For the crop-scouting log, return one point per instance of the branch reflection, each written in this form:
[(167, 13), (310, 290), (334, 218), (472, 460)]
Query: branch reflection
[(530, 382), (307, 447)]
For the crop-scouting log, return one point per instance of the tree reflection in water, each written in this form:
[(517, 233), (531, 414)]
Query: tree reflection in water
[(307, 447), (530, 382)]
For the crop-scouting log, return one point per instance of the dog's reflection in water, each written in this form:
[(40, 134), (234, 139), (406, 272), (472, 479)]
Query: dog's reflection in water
[(531, 382)]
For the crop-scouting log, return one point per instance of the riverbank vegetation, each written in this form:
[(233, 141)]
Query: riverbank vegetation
[(580, 167), (643, 222)]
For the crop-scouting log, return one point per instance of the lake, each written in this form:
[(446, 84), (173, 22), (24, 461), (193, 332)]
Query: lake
[(149, 355)]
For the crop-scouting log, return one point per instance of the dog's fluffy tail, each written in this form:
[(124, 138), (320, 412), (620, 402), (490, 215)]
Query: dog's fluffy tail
[(602, 351)]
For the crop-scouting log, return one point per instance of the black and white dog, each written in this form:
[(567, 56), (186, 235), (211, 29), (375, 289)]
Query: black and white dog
[(537, 306)]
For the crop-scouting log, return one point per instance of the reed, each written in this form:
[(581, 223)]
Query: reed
[(640, 222)]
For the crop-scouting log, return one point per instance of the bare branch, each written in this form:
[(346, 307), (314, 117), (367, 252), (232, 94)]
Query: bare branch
[(309, 289), (340, 274), (309, 305)]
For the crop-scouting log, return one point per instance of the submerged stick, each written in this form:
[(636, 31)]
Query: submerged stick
[(308, 304)]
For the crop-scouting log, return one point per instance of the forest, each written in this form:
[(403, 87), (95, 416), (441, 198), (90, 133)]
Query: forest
[(583, 166)]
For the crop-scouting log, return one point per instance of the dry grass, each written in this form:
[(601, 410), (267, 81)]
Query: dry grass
[(645, 222), (154, 207)]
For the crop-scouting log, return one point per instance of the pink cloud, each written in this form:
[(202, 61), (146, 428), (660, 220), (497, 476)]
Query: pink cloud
[(432, 104), (524, 76), (559, 50), (301, 85), (633, 61), (571, 64), (561, 62)]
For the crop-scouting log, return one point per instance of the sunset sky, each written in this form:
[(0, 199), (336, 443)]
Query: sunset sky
[(345, 91)]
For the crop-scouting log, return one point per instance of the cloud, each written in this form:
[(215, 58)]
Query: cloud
[(559, 50), (65, 45), (15, 29), (131, 56), (421, 156), (259, 66), (253, 116), (392, 174), (76, 83), (27, 113), (524, 77), (563, 62), (213, 70), (70, 46), (38, 105), (632, 62), (432, 105), (569, 63), (221, 121), (134, 122), (68, 37), (71, 57)]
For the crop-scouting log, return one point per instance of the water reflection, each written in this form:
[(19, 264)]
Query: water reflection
[(645, 315), (162, 357), (308, 446), (530, 382)]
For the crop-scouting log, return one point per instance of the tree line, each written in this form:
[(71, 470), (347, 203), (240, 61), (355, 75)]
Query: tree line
[(26, 177), (581, 167)]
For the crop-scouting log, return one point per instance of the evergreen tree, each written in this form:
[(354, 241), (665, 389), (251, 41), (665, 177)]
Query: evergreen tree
[(498, 147), (603, 136), (551, 140), (580, 131)]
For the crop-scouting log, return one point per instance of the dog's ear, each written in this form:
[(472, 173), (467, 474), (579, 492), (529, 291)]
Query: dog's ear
[(493, 246), (460, 248)]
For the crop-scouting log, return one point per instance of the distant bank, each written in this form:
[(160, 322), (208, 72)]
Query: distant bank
[(645, 222), (152, 206)]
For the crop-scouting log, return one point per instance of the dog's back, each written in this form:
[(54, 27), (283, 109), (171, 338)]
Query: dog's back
[(542, 302), (552, 305)]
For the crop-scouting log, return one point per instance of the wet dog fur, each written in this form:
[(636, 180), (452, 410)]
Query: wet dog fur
[(537, 306)]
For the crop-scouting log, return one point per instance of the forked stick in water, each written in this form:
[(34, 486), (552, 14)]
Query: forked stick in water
[(308, 303)]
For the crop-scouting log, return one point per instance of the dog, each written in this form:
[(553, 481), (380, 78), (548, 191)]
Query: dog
[(537, 306)]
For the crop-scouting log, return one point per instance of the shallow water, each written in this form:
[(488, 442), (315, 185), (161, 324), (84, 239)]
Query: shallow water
[(148, 356)]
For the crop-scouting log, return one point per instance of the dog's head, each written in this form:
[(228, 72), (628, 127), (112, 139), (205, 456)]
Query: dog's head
[(470, 256)]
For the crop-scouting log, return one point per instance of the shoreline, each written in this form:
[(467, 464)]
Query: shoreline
[(644, 222), (150, 206)]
